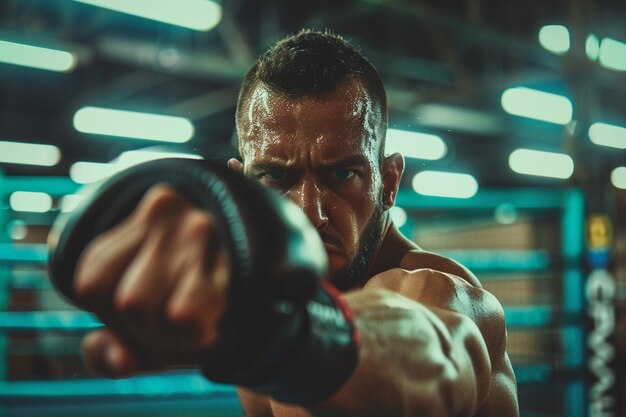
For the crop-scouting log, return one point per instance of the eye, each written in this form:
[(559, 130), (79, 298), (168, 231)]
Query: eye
[(343, 173), (275, 175)]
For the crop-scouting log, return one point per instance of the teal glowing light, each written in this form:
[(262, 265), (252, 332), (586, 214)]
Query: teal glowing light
[(540, 163), (539, 105), (415, 144), (130, 158), (201, 15), (33, 202), (445, 184), (136, 125), (83, 172), (613, 54), (608, 135), (36, 57), (555, 38), (618, 177), (29, 153), (592, 47), (398, 215)]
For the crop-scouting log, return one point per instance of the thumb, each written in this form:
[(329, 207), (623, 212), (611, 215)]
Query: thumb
[(106, 354)]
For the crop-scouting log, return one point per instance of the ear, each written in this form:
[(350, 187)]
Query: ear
[(235, 165), (393, 167)]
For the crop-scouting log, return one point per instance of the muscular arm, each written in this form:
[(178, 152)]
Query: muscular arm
[(421, 357), (413, 361), (432, 345)]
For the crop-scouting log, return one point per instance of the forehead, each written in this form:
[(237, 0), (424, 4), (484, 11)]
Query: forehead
[(344, 121)]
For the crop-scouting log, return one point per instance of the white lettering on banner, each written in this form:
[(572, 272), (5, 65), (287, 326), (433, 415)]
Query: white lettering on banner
[(601, 289), (326, 313)]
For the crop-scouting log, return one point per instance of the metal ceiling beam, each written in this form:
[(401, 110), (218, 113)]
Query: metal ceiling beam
[(468, 33), (412, 68), (208, 104), (209, 65), (238, 47), (125, 86)]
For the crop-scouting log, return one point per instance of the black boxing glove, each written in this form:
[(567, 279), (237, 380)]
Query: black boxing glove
[(286, 332)]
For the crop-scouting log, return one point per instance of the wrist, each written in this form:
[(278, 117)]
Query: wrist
[(305, 359)]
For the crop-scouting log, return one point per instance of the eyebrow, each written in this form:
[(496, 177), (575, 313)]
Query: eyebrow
[(268, 166), (351, 160), (348, 161)]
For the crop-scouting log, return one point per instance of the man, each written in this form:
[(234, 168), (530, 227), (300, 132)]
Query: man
[(311, 120)]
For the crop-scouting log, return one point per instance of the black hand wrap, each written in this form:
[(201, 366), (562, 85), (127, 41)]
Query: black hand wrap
[(285, 333)]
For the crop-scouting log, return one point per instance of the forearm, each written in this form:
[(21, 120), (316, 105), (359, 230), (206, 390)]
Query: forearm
[(412, 361)]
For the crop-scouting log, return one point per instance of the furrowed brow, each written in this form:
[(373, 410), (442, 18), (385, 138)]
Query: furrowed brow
[(268, 166), (347, 162)]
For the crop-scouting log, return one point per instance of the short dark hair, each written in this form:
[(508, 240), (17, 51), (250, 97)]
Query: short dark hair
[(313, 63)]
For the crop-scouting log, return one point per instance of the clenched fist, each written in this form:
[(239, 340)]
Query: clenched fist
[(192, 264), (158, 281)]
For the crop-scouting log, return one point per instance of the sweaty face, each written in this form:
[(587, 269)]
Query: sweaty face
[(323, 154)]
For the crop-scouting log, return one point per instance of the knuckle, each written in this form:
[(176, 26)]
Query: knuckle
[(185, 312), (198, 225), (131, 303), (86, 289), (92, 348), (86, 283), (158, 199), (181, 313), (91, 342)]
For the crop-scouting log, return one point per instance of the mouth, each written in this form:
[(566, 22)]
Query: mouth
[(332, 243), (331, 248)]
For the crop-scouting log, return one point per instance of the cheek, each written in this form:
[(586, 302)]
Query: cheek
[(350, 212)]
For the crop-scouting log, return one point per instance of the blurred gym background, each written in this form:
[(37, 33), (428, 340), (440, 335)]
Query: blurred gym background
[(511, 114)]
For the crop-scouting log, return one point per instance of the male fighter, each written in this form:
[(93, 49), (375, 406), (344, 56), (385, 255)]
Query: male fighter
[(311, 120)]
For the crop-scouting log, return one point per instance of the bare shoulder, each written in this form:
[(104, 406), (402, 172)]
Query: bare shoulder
[(418, 259), (441, 283), (254, 405), (444, 285)]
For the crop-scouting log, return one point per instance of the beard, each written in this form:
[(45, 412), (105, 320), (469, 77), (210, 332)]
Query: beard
[(353, 274)]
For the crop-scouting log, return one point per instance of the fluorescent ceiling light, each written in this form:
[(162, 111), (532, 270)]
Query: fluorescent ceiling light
[(131, 158), (70, 201), (398, 215), (555, 38), (36, 57), (88, 172), (506, 213), (592, 47), (29, 154), (540, 163), (17, 229), (415, 145), (83, 172), (537, 104), (445, 184), (202, 15), (613, 54), (130, 124), (30, 201), (457, 118), (618, 177), (608, 135)]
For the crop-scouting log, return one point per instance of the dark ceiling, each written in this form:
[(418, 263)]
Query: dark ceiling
[(430, 53)]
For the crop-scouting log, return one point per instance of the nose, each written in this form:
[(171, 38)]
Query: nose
[(310, 198)]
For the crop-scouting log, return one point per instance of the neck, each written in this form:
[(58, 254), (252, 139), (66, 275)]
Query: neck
[(392, 249)]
